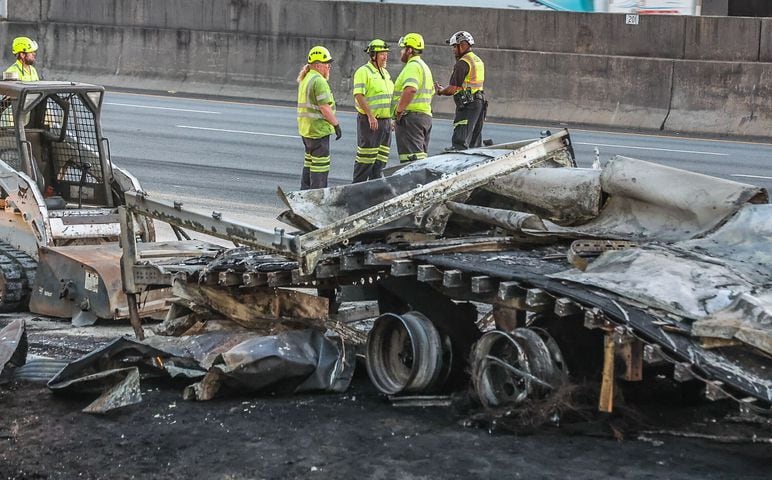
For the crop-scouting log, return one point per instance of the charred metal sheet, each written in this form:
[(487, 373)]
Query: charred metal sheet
[(306, 360), (566, 196), (39, 369), (109, 357), (688, 287), (742, 243), (13, 348), (196, 352), (118, 387), (694, 278), (651, 201), (123, 393), (320, 207), (748, 319), (290, 362)]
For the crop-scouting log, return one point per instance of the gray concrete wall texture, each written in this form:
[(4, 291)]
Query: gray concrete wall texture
[(691, 74)]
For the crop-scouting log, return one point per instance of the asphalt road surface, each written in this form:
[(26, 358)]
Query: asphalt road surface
[(230, 157)]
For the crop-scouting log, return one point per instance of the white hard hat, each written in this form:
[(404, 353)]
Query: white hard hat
[(461, 36)]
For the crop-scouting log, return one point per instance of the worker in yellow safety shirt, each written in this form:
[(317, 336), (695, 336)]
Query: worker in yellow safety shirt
[(411, 105), (316, 117), (466, 87), (373, 89), (25, 49)]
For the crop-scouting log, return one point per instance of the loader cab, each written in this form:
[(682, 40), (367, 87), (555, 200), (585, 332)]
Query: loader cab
[(50, 131)]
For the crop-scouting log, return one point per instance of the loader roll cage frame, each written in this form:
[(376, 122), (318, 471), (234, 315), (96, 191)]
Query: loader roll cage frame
[(51, 131)]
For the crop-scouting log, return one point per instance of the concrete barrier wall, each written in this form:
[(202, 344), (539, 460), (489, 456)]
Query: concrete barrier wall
[(765, 44), (542, 66), (722, 38), (698, 38), (722, 98), (596, 89)]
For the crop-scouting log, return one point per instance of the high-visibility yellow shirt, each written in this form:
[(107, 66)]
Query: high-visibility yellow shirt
[(417, 75), (377, 88), (312, 92), (475, 77), (29, 74)]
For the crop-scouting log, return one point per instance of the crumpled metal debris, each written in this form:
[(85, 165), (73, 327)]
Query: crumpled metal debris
[(748, 319), (39, 369), (647, 201), (290, 362), (694, 278), (565, 196), (629, 199), (310, 209), (13, 348), (112, 372)]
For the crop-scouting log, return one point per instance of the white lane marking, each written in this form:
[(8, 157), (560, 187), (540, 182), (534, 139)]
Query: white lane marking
[(750, 176), (652, 148), (239, 131), (163, 108)]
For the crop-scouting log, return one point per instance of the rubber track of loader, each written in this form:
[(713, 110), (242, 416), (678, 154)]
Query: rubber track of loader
[(18, 276)]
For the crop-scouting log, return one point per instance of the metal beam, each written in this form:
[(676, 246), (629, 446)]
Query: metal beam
[(214, 225)]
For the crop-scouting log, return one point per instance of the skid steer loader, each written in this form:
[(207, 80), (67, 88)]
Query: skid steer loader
[(59, 199)]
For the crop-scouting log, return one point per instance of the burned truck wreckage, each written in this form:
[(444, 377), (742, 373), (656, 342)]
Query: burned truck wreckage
[(505, 270)]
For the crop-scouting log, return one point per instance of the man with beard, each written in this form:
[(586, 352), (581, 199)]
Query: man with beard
[(24, 49), (412, 101)]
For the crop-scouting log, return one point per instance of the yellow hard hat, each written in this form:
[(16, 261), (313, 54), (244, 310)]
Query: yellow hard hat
[(376, 46), (319, 54), (412, 40), (24, 45)]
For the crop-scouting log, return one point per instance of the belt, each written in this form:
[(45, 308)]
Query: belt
[(377, 118)]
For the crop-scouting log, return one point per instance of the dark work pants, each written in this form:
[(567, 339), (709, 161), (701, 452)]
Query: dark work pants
[(412, 134), (468, 124), (372, 148), (316, 163)]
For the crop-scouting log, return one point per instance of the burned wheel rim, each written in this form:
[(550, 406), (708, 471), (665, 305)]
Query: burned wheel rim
[(539, 358), (404, 354), (496, 356)]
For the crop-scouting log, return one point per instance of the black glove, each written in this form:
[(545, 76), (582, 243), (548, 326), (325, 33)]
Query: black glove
[(338, 132)]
